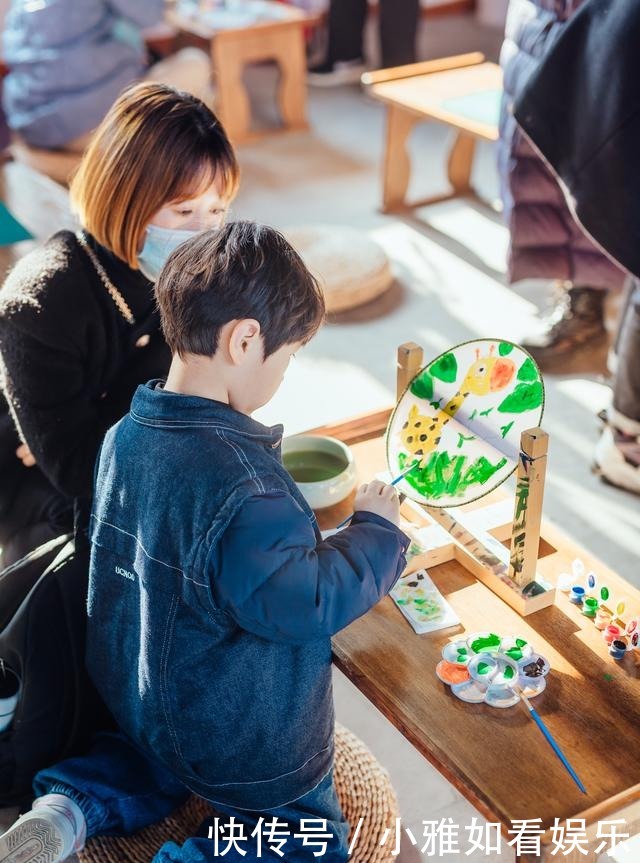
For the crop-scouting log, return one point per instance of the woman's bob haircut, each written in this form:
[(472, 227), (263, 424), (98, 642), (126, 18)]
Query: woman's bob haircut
[(156, 146)]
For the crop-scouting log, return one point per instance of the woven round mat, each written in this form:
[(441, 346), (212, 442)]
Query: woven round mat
[(364, 790), (350, 266)]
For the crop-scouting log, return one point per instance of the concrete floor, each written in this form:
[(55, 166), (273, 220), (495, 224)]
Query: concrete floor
[(450, 286)]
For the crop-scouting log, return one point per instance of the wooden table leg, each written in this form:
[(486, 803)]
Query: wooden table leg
[(397, 164), (460, 163), (232, 101), (292, 88)]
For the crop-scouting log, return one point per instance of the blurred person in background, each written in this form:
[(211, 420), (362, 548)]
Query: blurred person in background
[(79, 328), (545, 240), (581, 110), (69, 60), (345, 60)]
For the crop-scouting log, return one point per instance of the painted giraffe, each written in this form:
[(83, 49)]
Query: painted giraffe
[(421, 434)]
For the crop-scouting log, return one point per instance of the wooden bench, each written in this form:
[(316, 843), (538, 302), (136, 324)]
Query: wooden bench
[(462, 92)]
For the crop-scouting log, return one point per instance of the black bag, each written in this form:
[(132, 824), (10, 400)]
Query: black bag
[(42, 644)]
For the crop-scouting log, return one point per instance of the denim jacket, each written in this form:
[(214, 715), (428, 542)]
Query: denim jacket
[(212, 599)]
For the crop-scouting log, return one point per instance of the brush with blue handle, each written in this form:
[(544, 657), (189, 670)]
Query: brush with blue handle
[(549, 738)]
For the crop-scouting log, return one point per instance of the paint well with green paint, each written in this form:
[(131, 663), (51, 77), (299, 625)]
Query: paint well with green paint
[(486, 643)]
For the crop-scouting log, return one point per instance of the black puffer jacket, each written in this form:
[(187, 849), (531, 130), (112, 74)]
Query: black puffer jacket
[(581, 109), (545, 242), (70, 362)]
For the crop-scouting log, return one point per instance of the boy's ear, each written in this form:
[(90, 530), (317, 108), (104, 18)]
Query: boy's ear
[(245, 340)]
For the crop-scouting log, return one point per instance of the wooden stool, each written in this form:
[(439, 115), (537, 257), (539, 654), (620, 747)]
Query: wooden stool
[(462, 92), (351, 268), (364, 789), (280, 39)]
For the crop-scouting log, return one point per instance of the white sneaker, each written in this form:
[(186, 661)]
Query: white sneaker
[(40, 836), (336, 74), (617, 460)]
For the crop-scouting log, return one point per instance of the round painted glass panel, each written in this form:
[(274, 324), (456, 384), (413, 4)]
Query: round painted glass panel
[(460, 419)]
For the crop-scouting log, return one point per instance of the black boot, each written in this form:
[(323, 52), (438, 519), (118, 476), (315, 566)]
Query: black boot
[(573, 331)]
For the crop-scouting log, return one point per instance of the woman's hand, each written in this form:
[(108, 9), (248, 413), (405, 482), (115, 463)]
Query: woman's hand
[(25, 455)]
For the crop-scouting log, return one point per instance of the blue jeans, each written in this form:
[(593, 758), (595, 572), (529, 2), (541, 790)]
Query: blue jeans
[(120, 791)]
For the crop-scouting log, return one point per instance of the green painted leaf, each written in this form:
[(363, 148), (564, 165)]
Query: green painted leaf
[(525, 397), (520, 642), (445, 369), (504, 349), (528, 371), (422, 386)]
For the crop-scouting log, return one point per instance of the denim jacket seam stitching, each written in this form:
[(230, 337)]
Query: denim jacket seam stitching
[(163, 677), (265, 781), (196, 424), (242, 458), (145, 552)]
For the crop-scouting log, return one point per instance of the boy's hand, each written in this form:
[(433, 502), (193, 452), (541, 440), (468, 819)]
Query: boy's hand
[(380, 498)]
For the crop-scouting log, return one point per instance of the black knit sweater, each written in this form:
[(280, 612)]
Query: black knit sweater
[(70, 363)]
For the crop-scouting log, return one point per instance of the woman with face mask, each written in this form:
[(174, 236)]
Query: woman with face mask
[(78, 325)]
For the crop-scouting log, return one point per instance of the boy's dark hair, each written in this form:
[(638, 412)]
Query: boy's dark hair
[(242, 270)]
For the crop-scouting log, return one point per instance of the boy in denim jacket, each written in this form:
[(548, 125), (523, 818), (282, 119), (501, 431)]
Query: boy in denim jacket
[(212, 597)]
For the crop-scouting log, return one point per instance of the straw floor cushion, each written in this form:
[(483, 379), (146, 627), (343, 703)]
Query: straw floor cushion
[(364, 790), (351, 267)]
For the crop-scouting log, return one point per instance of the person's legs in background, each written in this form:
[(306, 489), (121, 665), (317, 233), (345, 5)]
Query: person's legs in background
[(575, 322), (344, 62), (617, 453), (398, 28), (188, 69), (347, 19)]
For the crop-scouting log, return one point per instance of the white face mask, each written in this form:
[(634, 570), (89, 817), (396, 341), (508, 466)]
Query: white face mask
[(159, 243)]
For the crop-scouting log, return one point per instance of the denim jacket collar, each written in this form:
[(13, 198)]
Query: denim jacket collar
[(153, 405)]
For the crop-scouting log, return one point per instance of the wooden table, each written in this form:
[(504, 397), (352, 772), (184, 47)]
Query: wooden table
[(497, 758), (281, 40), (433, 91)]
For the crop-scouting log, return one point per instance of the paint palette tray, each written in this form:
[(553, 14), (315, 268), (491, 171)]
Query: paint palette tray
[(484, 667)]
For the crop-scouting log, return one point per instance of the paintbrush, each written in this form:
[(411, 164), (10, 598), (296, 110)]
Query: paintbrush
[(393, 482), (548, 737)]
